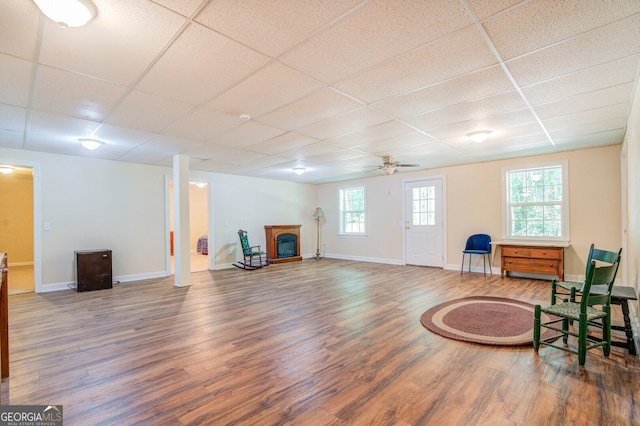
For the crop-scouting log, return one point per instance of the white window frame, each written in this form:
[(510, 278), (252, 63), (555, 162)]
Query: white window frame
[(506, 206), (341, 211)]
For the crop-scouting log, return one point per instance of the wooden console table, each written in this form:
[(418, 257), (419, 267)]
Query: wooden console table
[(532, 258)]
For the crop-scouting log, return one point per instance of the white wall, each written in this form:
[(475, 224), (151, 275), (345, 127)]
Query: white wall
[(473, 204), (94, 204)]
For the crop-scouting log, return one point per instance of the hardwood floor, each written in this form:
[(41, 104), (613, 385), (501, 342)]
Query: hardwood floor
[(317, 342)]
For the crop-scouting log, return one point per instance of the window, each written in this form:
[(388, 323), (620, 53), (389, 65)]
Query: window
[(423, 200), (536, 203), (352, 210)]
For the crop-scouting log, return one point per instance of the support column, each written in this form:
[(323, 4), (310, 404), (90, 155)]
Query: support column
[(181, 233)]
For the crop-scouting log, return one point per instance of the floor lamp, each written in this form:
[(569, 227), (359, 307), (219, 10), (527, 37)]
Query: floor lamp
[(317, 215)]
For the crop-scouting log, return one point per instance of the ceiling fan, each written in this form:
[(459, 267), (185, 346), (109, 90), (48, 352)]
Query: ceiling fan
[(389, 166)]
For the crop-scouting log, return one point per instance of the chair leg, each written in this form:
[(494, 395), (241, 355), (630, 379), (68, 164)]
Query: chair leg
[(606, 331), (469, 262), (582, 339), (536, 328), (565, 330), (462, 265), (484, 265), (489, 257)]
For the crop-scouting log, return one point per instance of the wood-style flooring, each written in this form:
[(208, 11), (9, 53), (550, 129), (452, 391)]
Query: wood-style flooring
[(317, 342)]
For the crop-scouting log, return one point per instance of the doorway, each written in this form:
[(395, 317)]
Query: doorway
[(424, 223), (17, 226), (200, 208)]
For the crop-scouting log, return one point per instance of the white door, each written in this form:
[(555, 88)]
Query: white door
[(424, 223)]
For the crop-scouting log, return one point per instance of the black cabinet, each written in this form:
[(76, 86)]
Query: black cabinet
[(93, 270)]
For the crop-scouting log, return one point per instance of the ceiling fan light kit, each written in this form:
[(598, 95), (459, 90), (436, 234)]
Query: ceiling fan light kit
[(390, 167)]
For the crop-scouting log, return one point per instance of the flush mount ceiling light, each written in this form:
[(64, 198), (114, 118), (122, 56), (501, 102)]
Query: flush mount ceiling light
[(299, 170), (480, 136), (68, 13), (90, 144), (5, 170)]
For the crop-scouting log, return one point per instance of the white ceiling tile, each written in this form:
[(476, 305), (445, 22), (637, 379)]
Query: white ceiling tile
[(376, 32), (307, 151), (15, 75), (122, 136), (336, 156), (317, 106), (271, 87), (247, 134), (281, 143), (203, 124), (12, 118), (378, 132), (286, 22), (491, 122), (145, 156), (483, 107), (11, 139), (484, 9), (611, 137), (183, 7), (54, 142), (60, 126), (586, 117), (19, 28), (73, 94), (574, 133), (586, 101), (430, 64), (118, 44), (147, 112), (609, 43), (199, 65), (384, 146), (585, 80), (170, 145), (222, 154), (472, 86), (539, 23), (343, 124)]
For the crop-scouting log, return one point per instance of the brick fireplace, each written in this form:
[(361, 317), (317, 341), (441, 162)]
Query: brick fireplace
[(283, 243)]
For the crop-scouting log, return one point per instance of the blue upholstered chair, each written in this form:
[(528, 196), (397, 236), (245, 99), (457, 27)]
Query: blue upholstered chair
[(478, 244)]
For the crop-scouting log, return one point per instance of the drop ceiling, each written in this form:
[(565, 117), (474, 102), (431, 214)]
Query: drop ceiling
[(328, 86)]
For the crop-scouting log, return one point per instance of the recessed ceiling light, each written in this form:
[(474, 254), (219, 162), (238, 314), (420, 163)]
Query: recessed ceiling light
[(479, 136), (68, 13), (90, 144), (245, 117), (299, 170)]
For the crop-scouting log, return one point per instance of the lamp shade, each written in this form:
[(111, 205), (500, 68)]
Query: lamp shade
[(388, 169), (318, 213)]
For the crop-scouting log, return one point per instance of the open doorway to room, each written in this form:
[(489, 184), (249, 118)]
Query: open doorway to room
[(199, 214), (17, 226)]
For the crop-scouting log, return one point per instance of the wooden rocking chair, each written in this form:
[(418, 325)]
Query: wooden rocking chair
[(253, 256)]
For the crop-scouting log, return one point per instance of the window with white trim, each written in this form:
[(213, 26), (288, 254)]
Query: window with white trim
[(352, 210), (536, 202)]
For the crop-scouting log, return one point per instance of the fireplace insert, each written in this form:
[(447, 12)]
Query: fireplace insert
[(286, 245)]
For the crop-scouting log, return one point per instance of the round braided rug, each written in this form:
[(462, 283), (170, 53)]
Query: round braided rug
[(486, 320)]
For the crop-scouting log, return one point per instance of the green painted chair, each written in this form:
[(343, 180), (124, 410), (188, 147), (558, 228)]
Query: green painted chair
[(592, 308), (253, 256), (564, 291)]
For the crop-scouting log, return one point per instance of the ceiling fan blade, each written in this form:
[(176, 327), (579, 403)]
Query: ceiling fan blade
[(407, 165)]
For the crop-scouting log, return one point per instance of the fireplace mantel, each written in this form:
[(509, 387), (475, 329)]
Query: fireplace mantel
[(272, 232)]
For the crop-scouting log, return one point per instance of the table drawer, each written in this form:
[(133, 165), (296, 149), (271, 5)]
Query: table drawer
[(515, 251), (530, 264), (546, 253)]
